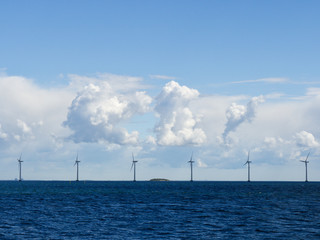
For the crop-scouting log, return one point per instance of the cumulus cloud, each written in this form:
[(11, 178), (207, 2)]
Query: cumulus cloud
[(237, 114), (151, 140), (103, 108), (178, 124), (23, 127), (97, 111), (290, 148), (270, 141), (201, 164), (306, 140), (3, 135)]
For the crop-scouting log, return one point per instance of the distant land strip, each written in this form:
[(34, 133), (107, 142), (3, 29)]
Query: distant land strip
[(159, 180)]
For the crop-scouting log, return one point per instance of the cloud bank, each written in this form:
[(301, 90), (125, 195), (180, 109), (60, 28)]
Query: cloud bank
[(103, 113), (30, 113)]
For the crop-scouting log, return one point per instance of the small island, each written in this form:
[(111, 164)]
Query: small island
[(159, 180)]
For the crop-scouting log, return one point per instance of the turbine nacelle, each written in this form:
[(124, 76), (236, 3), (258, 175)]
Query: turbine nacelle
[(133, 162), (19, 159), (191, 159), (306, 161), (247, 162), (77, 161)]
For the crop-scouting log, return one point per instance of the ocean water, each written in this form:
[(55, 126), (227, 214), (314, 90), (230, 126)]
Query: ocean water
[(159, 210)]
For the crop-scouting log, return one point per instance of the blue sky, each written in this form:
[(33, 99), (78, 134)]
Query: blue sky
[(161, 79)]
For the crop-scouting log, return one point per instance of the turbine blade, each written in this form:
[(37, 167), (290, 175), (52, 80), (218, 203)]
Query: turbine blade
[(77, 160), (131, 166), (307, 156)]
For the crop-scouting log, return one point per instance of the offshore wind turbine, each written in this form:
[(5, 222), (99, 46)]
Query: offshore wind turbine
[(77, 163), (248, 162), (134, 167), (306, 164), (191, 167), (20, 161)]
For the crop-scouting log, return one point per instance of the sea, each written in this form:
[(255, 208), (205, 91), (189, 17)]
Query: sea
[(159, 210)]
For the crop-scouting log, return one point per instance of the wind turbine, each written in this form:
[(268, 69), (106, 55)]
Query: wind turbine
[(248, 162), (306, 164), (134, 167), (20, 161), (191, 167), (77, 163)]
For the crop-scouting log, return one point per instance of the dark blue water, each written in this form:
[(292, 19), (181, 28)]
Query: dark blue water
[(159, 210)]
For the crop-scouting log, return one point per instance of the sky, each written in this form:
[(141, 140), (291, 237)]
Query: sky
[(161, 80)]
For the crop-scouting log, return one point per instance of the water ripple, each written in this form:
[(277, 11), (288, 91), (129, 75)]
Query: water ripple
[(153, 210)]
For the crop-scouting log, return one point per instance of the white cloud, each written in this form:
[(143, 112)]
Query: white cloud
[(271, 142), (178, 124), (163, 77), (151, 140), (306, 140), (107, 108), (17, 137), (97, 111), (23, 126), (121, 84), (3, 135), (264, 80), (274, 95), (31, 113), (237, 114), (313, 91), (201, 164)]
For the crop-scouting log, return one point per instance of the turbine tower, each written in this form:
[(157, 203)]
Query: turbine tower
[(77, 163), (134, 167), (191, 167), (248, 162), (20, 161), (306, 164)]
